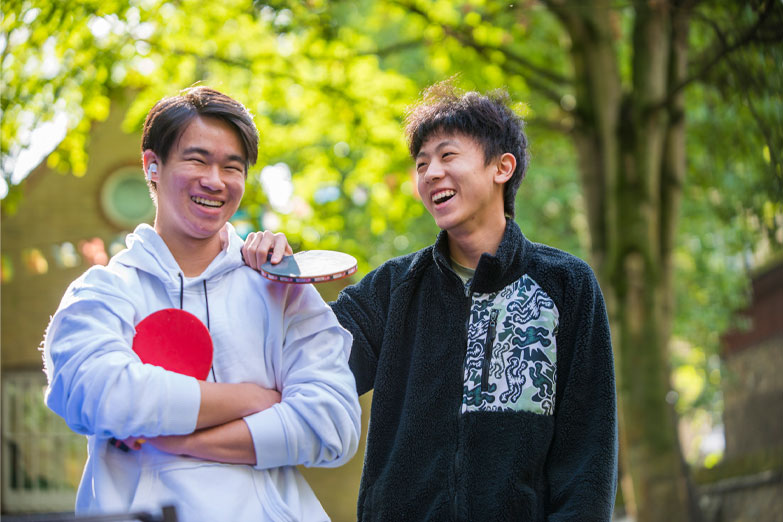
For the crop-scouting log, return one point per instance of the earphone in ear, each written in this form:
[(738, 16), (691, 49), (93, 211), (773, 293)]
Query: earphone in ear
[(153, 169)]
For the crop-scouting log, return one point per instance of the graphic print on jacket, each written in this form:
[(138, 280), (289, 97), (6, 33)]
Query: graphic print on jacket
[(511, 361)]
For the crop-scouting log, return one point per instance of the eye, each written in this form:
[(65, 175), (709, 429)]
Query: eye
[(420, 166), (195, 160), (447, 154)]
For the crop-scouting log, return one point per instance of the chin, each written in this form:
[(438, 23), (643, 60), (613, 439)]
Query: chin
[(444, 224), (445, 228), (206, 233)]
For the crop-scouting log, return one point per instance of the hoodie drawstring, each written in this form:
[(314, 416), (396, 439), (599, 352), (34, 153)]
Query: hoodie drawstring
[(206, 302), (181, 290)]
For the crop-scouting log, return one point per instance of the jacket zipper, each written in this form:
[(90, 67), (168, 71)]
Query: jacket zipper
[(493, 322)]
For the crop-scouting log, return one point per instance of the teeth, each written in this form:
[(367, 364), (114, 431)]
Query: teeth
[(442, 196), (207, 202)]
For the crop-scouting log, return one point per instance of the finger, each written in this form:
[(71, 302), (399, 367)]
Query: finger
[(247, 250), (256, 249), (264, 247), (281, 248)]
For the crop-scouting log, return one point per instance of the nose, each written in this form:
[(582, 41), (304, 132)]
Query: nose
[(211, 179), (434, 171)]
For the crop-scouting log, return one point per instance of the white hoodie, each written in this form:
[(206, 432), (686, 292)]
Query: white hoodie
[(271, 334)]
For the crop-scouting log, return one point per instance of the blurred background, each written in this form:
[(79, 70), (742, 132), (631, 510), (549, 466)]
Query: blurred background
[(656, 129)]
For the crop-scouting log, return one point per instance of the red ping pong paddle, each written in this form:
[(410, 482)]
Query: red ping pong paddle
[(175, 340), (310, 266)]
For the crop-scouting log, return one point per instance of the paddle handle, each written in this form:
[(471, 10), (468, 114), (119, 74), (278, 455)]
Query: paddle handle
[(119, 444), (122, 446)]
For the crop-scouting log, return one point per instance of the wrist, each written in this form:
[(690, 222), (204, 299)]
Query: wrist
[(184, 446), (251, 394)]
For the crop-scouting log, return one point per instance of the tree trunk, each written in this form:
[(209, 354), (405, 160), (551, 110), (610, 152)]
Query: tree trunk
[(631, 158)]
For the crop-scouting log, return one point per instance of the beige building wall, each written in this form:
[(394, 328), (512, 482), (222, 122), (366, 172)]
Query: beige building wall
[(57, 208), (58, 231)]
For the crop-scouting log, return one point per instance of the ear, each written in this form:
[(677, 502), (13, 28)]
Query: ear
[(506, 165), (148, 158)]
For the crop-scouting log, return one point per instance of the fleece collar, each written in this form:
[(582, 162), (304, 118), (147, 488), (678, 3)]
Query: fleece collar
[(493, 272)]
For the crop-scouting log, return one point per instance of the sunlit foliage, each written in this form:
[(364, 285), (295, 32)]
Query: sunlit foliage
[(328, 84)]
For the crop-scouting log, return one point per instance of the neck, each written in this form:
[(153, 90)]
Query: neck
[(466, 247), (193, 255)]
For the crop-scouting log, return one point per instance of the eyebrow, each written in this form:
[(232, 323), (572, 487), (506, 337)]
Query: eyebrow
[(438, 147), (205, 152)]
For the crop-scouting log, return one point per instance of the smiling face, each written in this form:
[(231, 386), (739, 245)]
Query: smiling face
[(200, 185), (463, 194)]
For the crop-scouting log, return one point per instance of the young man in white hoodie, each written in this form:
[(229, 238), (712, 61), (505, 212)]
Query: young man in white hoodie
[(279, 392)]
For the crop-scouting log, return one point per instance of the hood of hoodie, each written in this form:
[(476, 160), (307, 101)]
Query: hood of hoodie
[(146, 251)]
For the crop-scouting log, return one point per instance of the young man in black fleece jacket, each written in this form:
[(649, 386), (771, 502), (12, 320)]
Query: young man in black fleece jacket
[(489, 355)]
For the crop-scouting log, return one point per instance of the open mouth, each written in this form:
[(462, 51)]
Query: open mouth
[(443, 196), (211, 203)]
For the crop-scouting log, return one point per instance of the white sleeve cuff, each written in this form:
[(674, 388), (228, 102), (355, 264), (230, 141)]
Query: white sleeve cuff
[(179, 414), (270, 439)]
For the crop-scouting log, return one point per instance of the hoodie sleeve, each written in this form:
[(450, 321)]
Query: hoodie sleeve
[(582, 461), (318, 421), (97, 384)]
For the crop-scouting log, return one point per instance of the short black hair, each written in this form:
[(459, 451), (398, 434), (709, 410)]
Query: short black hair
[(168, 119), (487, 118)]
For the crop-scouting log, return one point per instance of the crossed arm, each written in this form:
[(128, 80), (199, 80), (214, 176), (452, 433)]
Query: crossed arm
[(318, 421), (221, 433)]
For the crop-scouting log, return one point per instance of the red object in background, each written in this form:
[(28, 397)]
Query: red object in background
[(94, 251)]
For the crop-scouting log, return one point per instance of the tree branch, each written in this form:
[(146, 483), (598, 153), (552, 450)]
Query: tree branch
[(536, 76), (534, 82), (393, 48), (550, 124), (724, 49), (768, 135)]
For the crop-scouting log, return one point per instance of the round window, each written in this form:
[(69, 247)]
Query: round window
[(125, 198)]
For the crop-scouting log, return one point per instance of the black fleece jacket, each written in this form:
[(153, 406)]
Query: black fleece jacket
[(493, 400)]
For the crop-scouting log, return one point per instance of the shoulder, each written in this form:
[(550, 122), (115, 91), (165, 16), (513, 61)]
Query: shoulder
[(553, 259), (399, 270), (408, 264), (102, 293), (246, 283), (249, 285), (394, 279), (112, 279), (560, 272)]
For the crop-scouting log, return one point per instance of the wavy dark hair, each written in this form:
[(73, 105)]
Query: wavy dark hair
[(169, 118), (487, 118)]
